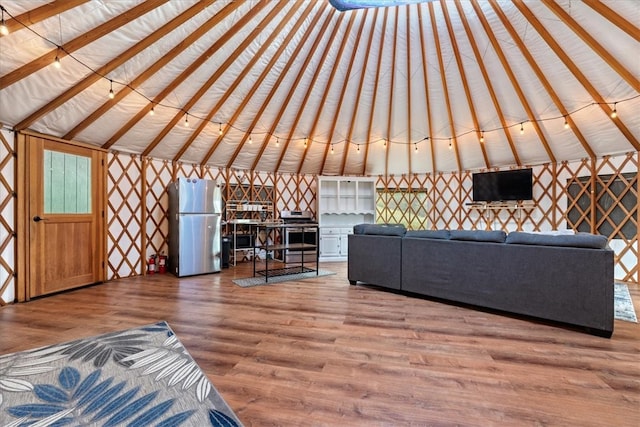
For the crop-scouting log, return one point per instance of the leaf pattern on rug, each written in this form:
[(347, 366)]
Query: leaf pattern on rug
[(99, 381), (74, 401)]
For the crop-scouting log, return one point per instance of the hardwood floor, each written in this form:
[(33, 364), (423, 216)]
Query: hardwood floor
[(321, 352)]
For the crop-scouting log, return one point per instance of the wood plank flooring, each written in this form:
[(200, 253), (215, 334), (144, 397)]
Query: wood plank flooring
[(322, 352)]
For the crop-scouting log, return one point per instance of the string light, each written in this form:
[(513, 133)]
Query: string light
[(482, 136), (111, 94), (56, 62), (220, 129), (250, 140), (450, 146), (4, 30), (614, 113), (277, 142), (566, 123), (186, 119), (358, 148), (416, 147), (384, 143), (331, 148), (521, 129), (305, 142), (152, 111)]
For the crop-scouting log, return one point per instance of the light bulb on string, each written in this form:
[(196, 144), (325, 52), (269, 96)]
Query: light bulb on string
[(416, 147), (305, 142), (220, 129), (186, 119), (614, 113), (331, 148), (56, 62), (566, 123), (111, 93), (450, 146), (384, 143), (250, 140), (358, 148), (152, 111), (481, 136), (4, 30), (277, 142), (521, 129)]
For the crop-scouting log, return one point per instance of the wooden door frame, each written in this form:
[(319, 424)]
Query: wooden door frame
[(23, 238)]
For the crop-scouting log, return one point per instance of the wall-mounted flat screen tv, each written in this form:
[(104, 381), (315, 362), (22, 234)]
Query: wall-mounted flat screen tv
[(503, 185)]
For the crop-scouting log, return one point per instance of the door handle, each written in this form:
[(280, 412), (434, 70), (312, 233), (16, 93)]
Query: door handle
[(38, 219)]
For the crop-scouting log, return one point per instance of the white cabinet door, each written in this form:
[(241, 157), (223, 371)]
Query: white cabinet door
[(344, 241), (329, 242)]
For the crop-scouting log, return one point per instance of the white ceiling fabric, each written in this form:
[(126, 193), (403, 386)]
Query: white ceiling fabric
[(343, 81)]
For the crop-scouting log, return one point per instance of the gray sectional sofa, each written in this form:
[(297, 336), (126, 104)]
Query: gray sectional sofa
[(561, 278)]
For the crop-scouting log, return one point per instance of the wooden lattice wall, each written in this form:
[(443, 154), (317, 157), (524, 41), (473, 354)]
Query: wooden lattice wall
[(7, 220)]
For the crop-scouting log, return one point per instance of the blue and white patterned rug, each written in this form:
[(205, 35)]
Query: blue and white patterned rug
[(137, 377), (623, 305)]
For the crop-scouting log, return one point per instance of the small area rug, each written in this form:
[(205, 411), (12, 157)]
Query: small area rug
[(259, 280), (136, 377), (623, 305)]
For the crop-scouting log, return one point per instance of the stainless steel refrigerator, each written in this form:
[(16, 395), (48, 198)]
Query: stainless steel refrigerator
[(195, 212)]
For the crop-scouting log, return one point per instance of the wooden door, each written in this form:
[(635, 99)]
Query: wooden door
[(64, 216)]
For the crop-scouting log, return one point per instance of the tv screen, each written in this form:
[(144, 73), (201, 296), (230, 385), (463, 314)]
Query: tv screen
[(503, 185)]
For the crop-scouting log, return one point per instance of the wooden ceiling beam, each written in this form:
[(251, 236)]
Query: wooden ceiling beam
[(463, 75), (229, 91), (408, 76), (614, 18), (541, 76), (294, 86), (443, 80), (375, 91), (39, 14), (325, 93), (423, 52), (215, 76), (115, 63), (516, 86), (593, 44), (267, 69), (343, 92), (79, 42), (316, 74), (595, 95), (363, 72), (391, 91), (193, 66), (153, 69)]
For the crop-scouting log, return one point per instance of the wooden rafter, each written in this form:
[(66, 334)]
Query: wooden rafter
[(516, 86), (423, 53), (79, 42), (325, 93), (391, 91), (343, 91), (593, 44), (285, 43), (541, 76), (443, 80), (294, 86), (363, 72), (316, 74), (557, 49), (256, 56), (40, 14), (181, 77), (614, 18), (375, 92), (115, 63), (153, 69), (463, 75), (214, 77)]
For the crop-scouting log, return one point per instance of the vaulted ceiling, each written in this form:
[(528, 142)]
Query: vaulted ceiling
[(298, 86)]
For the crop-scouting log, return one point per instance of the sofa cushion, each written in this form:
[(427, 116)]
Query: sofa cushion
[(380, 229), (580, 240), (497, 236), (429, 234)]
